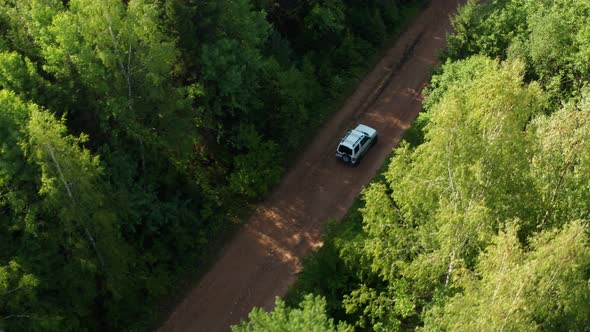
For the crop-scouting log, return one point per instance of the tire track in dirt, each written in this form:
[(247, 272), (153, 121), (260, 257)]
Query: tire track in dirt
[(263, 258), (391, 69)]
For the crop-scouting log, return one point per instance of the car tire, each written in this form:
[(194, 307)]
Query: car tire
[(346, 158)]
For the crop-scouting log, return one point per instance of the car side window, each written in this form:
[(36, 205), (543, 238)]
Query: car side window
[(356, 149), (364, 140)]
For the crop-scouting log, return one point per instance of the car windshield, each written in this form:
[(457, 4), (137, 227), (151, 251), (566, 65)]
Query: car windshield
[(344, 149)]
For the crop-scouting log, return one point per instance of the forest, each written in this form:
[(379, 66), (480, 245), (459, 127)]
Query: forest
[(135, 134), (479, 222)]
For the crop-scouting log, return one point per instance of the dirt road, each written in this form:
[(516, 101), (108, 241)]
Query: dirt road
[(262, 260)]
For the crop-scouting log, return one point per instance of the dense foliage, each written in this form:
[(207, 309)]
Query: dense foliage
[(483, 225), (133, 133)]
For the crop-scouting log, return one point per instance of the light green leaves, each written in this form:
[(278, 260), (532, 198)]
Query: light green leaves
[(120, 57), (514, 288), (17, 294), (561, 165), (71, 189), (310, 316)]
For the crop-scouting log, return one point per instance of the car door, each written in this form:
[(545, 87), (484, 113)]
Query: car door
[(357, 152), (364, 144)]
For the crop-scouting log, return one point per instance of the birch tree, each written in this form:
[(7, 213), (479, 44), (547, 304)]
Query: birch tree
[(537, 288), (74, 201)]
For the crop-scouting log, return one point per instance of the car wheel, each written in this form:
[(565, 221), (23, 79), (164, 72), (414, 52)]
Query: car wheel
[(346, 158)]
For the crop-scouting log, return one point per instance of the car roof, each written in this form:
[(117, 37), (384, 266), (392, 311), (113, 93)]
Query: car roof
[(351, 138), (355, 135)]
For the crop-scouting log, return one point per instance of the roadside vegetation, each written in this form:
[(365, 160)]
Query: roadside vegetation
[(480, 223), (134, 135)]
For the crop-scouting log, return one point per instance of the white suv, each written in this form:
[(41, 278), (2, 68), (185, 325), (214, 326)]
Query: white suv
[(356, 143)]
